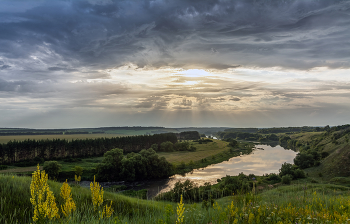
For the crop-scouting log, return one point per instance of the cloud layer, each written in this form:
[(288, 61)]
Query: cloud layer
[(131, 62)]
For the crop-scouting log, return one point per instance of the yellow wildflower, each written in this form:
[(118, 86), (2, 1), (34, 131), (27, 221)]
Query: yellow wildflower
[(42, 198), (96, 194), (69, 206), (180, 211)]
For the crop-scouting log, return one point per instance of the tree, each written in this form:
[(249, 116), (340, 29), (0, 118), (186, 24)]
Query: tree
[(111, 166), (304, 160), (166, 147), (233, 143), (286, 168), (52, 168)]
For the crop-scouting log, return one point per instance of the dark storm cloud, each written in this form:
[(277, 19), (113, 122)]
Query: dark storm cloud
[(235, 99), (221, 34), (2, 67)]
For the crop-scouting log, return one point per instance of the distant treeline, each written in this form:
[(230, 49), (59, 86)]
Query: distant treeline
[(29, 133), (289, 129), (29, 150), (188, 135), (255, 134), (239, 135), (246, 130)]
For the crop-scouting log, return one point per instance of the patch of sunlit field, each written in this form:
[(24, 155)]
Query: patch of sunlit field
[(5, 139), (86, 163), (203, 151), (306, 136)]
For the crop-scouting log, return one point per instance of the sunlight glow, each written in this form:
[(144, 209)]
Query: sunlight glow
[(195, 73)]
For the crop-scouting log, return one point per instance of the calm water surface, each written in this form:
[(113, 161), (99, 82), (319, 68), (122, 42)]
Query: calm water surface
[(264, 159)]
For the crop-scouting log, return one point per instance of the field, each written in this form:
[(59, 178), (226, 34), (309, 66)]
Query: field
[(5, 139), (203, 151), (20, 169), (86, 164)]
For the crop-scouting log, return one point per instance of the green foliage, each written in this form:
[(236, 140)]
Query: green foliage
[(287, 179), (292, 170), (3, 167), (141, 194), (189, 135), (78, 170), (52, 168), (298, 173), (233, 143), (24, 151), (304, 160), (166, 146), (134, 166), (286, 168), (273, 178), (182, 146), (287, 129)]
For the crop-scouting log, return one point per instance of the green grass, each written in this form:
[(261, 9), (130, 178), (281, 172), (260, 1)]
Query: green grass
[(308, 201), (86, 163), (203, 151)]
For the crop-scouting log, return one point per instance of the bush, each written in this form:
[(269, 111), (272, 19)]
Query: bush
[(298, 173), (314, 181), (78, 170), (324, 154), (287, 179), (273, 178), (192, 148), (52, 168), (286, 168), (304, 160), (167, 147), (3, 167)]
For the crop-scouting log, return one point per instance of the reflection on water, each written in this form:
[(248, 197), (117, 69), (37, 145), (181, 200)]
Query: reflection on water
[(264, 159)]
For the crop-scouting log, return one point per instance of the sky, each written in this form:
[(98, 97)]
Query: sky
[(174, 63)]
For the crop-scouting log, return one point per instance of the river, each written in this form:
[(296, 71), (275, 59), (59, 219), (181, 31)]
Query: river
[(264, 159)]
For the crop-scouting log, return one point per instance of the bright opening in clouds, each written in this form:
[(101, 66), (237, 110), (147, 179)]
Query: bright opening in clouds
[(240, 63)]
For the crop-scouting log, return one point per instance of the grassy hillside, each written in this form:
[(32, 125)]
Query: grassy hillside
[(297, 203), (335, 143)]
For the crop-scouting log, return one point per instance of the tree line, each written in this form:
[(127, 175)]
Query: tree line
[(133, 166), (31, 150)]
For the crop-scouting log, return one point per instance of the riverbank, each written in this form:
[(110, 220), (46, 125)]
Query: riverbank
[(213, 152)]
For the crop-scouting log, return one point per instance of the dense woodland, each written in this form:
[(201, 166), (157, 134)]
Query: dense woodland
[(30, 150), (133, 166), (188, 135)]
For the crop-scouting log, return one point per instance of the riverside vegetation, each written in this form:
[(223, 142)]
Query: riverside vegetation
[(320, 196)]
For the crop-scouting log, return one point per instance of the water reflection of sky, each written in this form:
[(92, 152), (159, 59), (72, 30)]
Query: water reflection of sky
[(258, 162)]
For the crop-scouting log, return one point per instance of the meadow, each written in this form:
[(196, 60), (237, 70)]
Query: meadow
[(300, 202), (203, 151)]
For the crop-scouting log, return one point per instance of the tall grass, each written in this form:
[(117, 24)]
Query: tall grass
[(299, 203)]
